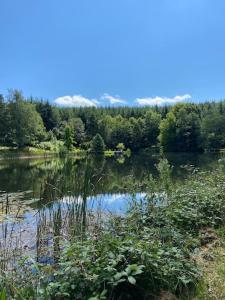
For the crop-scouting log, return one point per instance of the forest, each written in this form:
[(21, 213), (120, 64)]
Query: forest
[(184, 127)]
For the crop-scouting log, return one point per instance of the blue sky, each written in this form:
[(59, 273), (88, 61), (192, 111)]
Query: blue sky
[(117, 52)]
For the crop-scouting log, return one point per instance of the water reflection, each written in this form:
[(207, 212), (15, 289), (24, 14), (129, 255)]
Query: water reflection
[(88, 177)]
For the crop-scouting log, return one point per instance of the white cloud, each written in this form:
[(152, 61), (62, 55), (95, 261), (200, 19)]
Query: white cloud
[(162, 100), (80, 101), (75, 101), (96, 101), (113, 100)]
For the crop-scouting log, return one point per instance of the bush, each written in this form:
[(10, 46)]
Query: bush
[(52, 146)]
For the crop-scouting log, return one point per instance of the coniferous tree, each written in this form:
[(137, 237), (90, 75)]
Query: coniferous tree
[(98, 144), (68, 139)]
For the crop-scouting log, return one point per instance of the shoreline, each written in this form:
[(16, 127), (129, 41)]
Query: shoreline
[(31, 152)]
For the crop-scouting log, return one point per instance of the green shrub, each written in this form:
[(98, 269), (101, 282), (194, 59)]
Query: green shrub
[(51, 146)]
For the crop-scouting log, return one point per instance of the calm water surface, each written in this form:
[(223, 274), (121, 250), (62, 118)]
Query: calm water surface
[(34, 181)]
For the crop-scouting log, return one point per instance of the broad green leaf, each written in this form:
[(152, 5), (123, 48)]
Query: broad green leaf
[(132, 280)]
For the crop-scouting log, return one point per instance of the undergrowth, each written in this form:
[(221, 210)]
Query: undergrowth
[(135, 256)]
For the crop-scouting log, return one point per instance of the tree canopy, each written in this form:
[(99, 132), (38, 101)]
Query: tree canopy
[(182, 127)]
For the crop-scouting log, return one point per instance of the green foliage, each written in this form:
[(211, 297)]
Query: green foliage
[(68, 139), (165, 171), (95, 269), (51, 146), (199, 202), (4, 124), (109, 153), (180, 131), (91, 123), (25, 125), (120, 147), (167, 137), (77, 127), (3, 294), (98, 145), (188, 131), (49, 114), (151, 128), (134, 256), (183, 127), (213, 131)]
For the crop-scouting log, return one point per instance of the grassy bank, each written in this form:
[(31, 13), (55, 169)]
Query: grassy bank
[(47, 149), (38, 151), (155, 249)]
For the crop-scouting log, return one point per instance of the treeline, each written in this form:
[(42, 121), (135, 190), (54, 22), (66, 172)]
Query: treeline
[(183, 127)]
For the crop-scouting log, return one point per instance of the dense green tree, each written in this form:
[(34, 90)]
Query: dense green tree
[(121, 132), (49, 114), (98, 145), (4, 121), (59, 131), (188, 137), (213, 131), (68, 138), (105, 125), (167, 135), (26, 125), (183, 127), (180, 131), (91, 124), (137, 140), (77, 127), (151, 128)]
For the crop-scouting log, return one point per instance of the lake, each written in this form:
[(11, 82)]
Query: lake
[(43, 198)]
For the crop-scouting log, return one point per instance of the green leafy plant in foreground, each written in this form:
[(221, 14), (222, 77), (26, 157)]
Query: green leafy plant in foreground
[(150, 248), (3, 294)]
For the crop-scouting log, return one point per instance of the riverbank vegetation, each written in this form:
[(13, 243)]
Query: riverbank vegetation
[(151, 249), (183, 127)]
